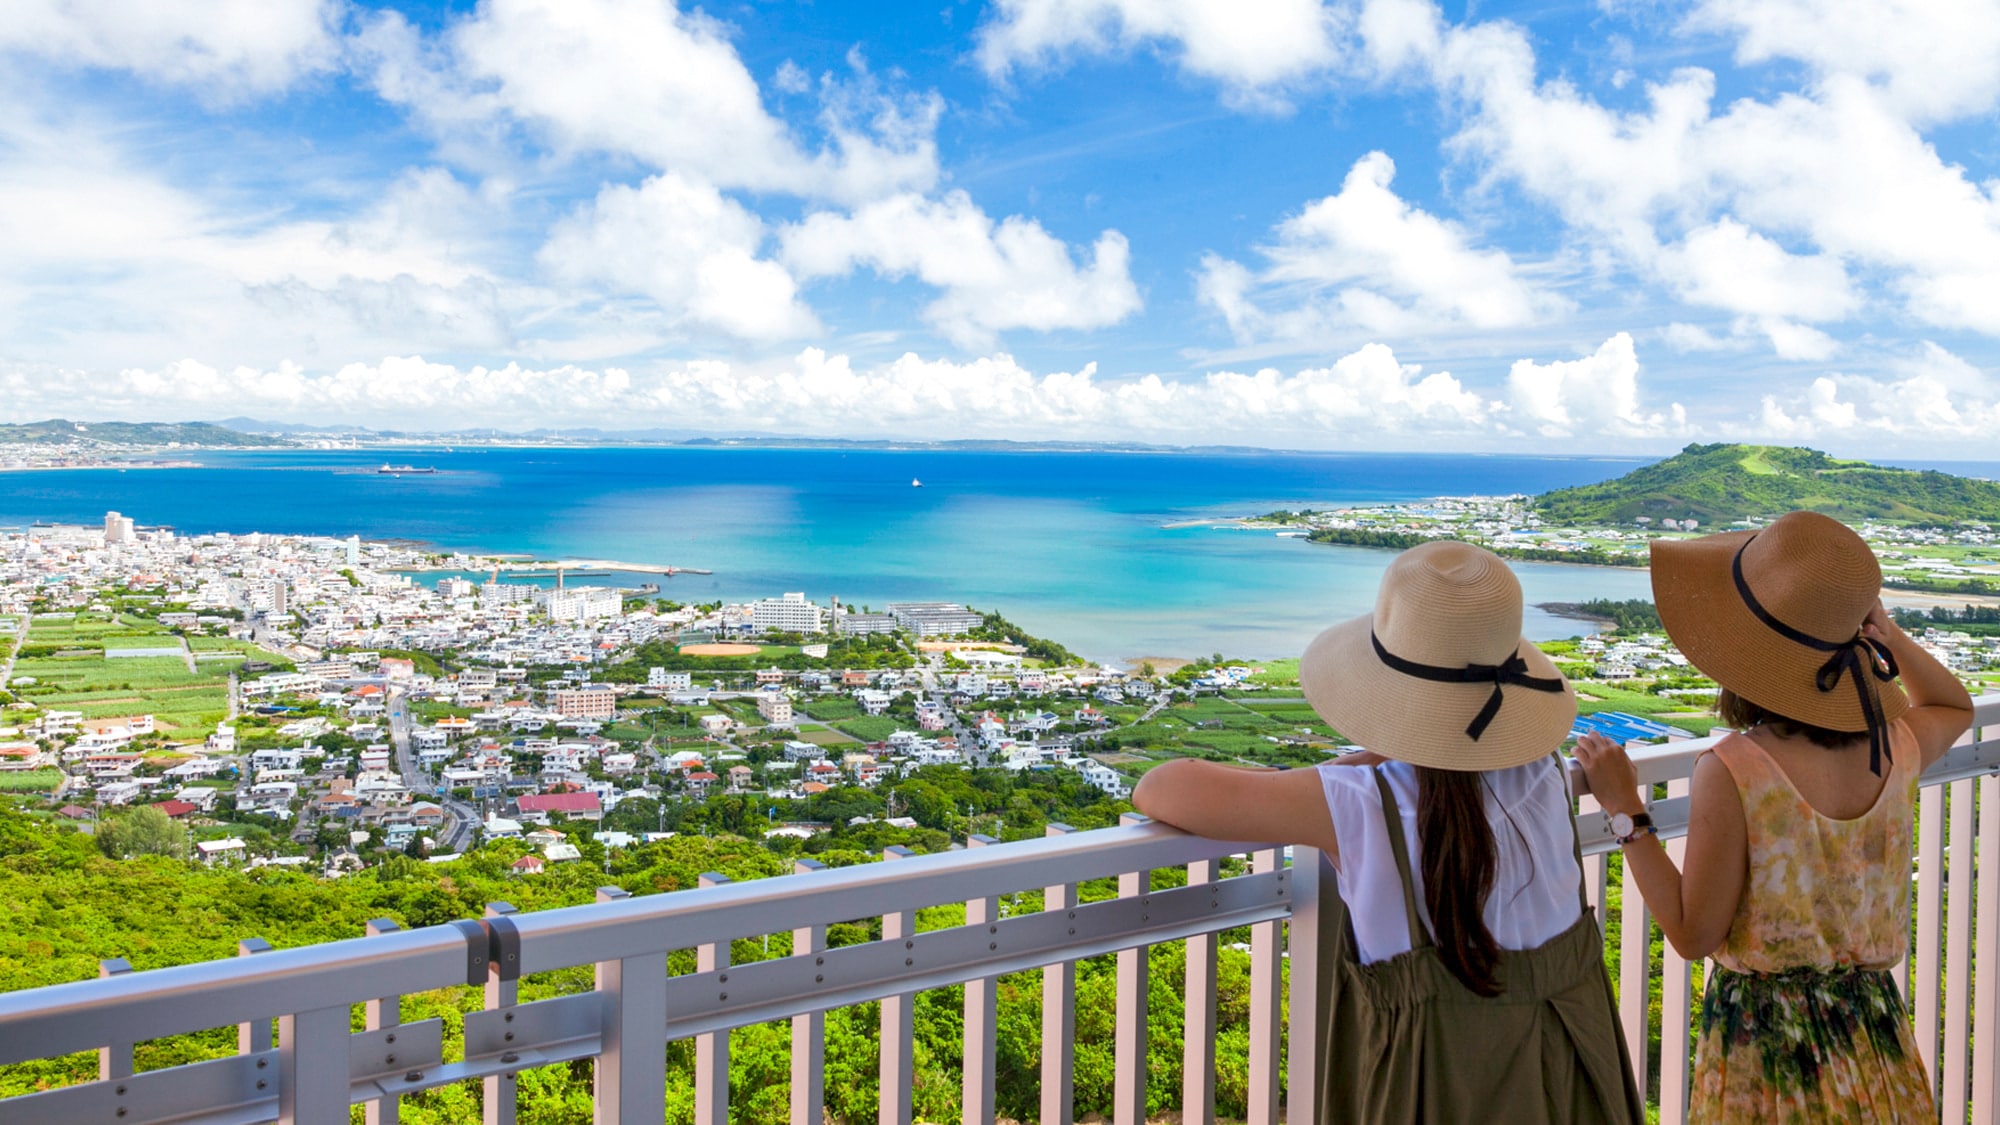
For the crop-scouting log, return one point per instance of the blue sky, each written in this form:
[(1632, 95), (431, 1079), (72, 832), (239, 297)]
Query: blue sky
[(1348, 224)]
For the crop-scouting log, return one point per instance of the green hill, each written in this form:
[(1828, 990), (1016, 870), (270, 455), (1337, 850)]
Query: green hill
[(1719, 484), (57, 431)]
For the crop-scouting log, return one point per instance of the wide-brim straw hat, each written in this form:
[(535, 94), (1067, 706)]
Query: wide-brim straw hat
[(1814, 581), (1439, 675)]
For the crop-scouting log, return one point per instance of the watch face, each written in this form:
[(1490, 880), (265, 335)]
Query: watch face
[(1621, 824)]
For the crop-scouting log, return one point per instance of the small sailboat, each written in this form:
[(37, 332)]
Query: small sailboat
[(915, 483)]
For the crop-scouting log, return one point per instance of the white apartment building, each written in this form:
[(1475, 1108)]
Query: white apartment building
[(580, 603), (935, 619), (775, 708), (118, 529), (789, 614), (862, 624), (505, 593), (669, 681)]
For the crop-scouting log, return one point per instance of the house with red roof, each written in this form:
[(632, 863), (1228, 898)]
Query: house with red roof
[(177, 809), (536, 807)]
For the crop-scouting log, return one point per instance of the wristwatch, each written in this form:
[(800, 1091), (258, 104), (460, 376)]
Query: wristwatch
[(1626, 827)]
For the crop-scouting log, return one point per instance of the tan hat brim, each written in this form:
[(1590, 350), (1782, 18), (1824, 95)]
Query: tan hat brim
[(1708, 620), (1422, 721)]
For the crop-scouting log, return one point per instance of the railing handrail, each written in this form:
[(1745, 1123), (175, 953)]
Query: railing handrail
[(328, 977)]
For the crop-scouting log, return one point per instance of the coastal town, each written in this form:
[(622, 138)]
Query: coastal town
[(321, 702), (1964, 557)]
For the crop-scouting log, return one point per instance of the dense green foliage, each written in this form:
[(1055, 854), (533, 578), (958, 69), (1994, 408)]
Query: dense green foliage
[(66, 906), (1723, 483), (1403, 540), (1978, 620), (1633, 615), (1000, 630), (56, 431)]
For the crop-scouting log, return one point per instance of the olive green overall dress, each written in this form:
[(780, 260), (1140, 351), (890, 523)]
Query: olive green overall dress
[(1406, 1042)]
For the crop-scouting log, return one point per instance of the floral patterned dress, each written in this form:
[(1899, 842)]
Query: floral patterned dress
[(1802, 1021)]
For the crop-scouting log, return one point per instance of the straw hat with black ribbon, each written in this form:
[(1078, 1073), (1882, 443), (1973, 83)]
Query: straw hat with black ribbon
[(1439, 675), (1775, 616)]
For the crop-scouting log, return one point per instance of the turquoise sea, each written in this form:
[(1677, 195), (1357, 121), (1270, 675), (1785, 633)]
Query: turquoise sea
[(1090, 548)]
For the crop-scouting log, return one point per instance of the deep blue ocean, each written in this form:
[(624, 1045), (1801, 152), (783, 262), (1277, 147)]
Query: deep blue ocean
[(1077, 546)]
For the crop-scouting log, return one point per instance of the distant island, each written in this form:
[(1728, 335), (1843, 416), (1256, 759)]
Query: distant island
[(1723, 484), (1934, 532), (62, 431)]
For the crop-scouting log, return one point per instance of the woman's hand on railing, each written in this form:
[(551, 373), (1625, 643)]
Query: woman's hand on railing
[(1614, 780)]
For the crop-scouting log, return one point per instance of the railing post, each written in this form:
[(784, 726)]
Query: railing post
[(1058, 1013), (1924, 979), (313, 1067), (384, 1011), (981, 1015), (503, 990), (631, 1069), (1635, 963), (253, 1035), (114, 1060), (711, 1051), (1986, 975), (1676, 1004), (1264, 1008), (1198, 1035), (898, 1071), (1958, 954), (1128, 1097), (809, 1029), (1305, 1052)]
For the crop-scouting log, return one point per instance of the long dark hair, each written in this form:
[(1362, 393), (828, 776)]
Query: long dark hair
[(1458, 860)]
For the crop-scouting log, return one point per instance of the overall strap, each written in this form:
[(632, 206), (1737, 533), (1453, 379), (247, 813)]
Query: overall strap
[(1575, 841), (1392, 816)]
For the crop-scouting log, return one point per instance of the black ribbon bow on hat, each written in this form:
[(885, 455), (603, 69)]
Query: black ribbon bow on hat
[(1513, 671), (1849, 659)]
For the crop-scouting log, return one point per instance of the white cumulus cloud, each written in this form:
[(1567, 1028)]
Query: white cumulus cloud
[(1365, 259), (993, 276), (1593, 397), (223, 49), (687, 248), (1255, 51)]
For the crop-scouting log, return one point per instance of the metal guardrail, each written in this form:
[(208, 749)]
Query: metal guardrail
[(319, 1066)]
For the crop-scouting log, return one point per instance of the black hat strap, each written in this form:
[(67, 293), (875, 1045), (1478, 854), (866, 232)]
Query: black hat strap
[(1849, 659), (1513, 671)]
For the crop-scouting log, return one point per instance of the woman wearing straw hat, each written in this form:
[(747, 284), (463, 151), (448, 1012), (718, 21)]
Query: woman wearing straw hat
[(1797, 873), (1468, 981)]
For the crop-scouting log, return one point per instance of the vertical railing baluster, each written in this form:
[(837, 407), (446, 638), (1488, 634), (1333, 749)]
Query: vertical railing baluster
[(1128, 1087), (114, 1059), (1930, 884), (253, 1035), (1058, 1013), (711, 1051), (1958, 953), (981, 1014), (383, 1011), (1596, 869), (631, 1067), (809, 1029), (1305, 1053), (1198, 1038), (1635, 957), (503, 990), (1676, 998), (897, 1074), (313, 1067), (1986, 971), (1265, 981)]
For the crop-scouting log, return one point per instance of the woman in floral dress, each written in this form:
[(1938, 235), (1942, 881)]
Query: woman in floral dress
[(1797, 870)]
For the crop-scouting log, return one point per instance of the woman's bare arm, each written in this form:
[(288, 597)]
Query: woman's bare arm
[(1232, 803), (1696, 906)]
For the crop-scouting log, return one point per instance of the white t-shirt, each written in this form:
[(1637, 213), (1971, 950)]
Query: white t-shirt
[(1535, 877)]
